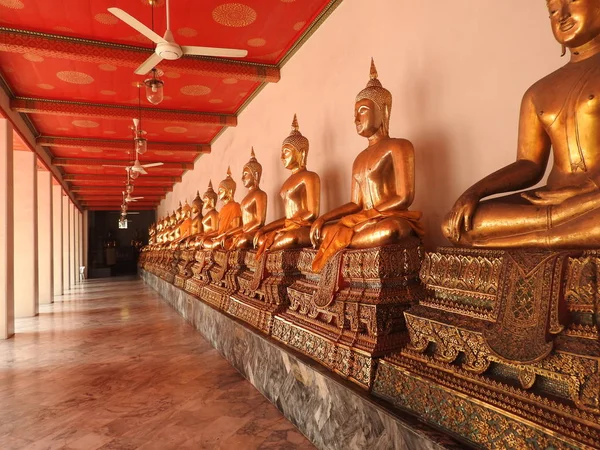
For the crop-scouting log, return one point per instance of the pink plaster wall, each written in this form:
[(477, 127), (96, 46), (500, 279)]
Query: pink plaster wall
[(457, 71)]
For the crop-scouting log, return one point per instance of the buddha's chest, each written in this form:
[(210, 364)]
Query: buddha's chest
[(293, 192), (570, 97), (375, 169)]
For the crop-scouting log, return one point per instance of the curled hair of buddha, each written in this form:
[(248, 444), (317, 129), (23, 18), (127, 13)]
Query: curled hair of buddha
[(228, 183), (210, 193), (186, 210), (379, 95), (254, 166), (296, 140), (197, 202)]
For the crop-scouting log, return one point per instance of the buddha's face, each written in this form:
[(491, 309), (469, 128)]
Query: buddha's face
[(224, 194), (208, 202), (290, 157), (367, 118), (574, 22), (248, 179)]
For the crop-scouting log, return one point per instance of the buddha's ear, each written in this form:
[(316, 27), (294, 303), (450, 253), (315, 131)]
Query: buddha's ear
[(386, 119)]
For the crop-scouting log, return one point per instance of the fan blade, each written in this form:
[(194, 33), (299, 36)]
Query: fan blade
[(113, 165), (136, 198), (213, 51), (148, 65), (142, 170), (136, 25), (153, 164)]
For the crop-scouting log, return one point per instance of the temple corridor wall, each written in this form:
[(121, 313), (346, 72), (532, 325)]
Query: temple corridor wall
[(457, 71)]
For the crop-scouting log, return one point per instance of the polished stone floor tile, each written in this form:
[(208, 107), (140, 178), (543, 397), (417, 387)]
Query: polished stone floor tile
[(110, 365)]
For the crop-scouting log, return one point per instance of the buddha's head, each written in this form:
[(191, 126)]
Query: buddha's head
[(294, 150), (196, 205), (372, 108), (174, 218), (574, 23), (251, 172), (186, 211), (227, 187), (179, 212), (209, 198)]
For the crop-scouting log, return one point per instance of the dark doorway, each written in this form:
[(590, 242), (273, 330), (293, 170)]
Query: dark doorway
[(114, 251)]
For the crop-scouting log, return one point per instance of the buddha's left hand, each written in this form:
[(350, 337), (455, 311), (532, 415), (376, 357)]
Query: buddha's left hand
[(556, 196)]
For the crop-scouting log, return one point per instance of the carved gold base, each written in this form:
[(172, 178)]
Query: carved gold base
[(215, 296), (263, 287), (488, 414), (194, 286), (513, 336), (254, 312), (352, 312), (349, 362)]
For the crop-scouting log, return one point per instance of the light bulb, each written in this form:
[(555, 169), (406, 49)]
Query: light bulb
[(154, 90), (134, 174), (141, 145)]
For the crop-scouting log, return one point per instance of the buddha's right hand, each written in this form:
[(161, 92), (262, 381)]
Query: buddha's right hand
[(460, 216), (315, 232), (257, 237)]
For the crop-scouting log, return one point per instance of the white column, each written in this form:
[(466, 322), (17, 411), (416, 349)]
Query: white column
[(25, 234), (76, 244), (85, 241), (65, 239), (45, 237), (7, 305), (57, 238), (71, 244)]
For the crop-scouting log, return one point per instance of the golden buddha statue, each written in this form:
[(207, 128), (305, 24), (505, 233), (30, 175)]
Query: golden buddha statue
[(383, 185), (185, 221), (196, 215), (559, 112), (301, 197), (230, 216), (253, 206), (172, 227), (210, 220)]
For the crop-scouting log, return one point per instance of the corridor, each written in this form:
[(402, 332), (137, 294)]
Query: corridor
[(109, 365)]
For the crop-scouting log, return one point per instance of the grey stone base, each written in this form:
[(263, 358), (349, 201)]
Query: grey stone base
[(329, 411)]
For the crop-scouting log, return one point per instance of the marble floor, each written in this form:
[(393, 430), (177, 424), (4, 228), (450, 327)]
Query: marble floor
[(112, 366)]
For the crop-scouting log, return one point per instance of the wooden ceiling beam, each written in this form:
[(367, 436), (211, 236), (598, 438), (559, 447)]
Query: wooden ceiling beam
[(118, 112), (86, 50), (78, 162), (88, 190), (116, 144), (119, 178)]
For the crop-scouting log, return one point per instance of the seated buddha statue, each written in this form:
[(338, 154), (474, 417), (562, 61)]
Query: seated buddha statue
[(210, 220), (253, 206), (300, 194), (185, 221), (230, 215), (196, 215), (383, 185), (560, 112)]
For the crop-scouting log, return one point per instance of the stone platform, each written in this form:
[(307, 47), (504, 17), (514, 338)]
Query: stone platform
[(331, 412)]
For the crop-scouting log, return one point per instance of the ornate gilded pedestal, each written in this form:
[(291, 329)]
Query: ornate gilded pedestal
[(504, 348), (263, 287), (200, 269), (352, 313), (214, 292), (184, 267), (173, 263)]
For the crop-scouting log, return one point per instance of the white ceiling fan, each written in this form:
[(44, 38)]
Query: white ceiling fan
[(166, 47), (127, 198)]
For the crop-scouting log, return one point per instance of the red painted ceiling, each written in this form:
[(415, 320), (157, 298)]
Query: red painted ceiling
[(39, 71)]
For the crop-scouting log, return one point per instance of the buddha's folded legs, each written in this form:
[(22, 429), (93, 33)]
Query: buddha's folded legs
[(299, 237), (244, 240), (514, 222), (376, 232)]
